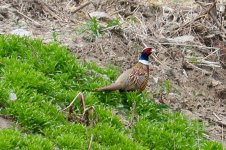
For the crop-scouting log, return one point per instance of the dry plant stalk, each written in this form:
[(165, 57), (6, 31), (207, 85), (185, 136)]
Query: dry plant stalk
[(88, 116), (213, 16), (49, 9), (74, 10), (25, 16), (192, 21)]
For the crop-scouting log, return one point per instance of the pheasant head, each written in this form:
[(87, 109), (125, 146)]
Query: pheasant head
[(144, 57)]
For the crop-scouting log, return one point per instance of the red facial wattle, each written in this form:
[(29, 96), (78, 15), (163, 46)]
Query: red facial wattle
[(148, 51)]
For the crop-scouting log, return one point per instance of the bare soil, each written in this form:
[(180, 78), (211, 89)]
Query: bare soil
[(197, 89), (5, 123)]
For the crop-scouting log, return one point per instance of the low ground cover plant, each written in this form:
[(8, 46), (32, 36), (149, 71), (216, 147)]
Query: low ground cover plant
[(46, 77)]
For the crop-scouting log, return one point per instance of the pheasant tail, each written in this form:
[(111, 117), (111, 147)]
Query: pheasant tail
[(112, 87)]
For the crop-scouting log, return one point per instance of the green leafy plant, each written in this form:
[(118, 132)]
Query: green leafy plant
[(55, 36), (167, 86), (45, 79), (194, 60), (95, 28)]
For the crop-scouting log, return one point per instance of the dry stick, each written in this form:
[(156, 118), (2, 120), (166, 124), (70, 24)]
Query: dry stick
[(158, 61), (102, 50), (217, 22), (73, 100), (210, 54), (217, 116), (213, 17), (35, 22), (90, 143), (194, 66), (133, 114), (95, 118), (221, 123), (202, 61), (222, 135), (116, 12), (209, 65), (82, 102), (80, 7), (197, 18), (48, 9), (188, 45)]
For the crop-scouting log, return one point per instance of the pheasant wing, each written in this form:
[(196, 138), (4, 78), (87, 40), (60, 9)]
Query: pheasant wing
[(138, 79)]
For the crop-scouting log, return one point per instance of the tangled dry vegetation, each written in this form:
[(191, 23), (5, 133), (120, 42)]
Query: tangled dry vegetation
[(188, 72)]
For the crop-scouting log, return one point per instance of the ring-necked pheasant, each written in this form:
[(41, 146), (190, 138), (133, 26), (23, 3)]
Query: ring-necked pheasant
[(135, 78)]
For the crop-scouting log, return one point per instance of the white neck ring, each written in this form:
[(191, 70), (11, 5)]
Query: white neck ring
[(145, 62)]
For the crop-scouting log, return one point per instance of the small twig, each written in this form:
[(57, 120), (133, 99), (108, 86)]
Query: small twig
[(185, 73), (82, 102), (158, 61), (48, 9), (133, 114), (222, 135), (80, 7), (102, 50), (188, 45), (145, 45), (209, 65), (213, 16), (197, 68), (219, 119), (68, 3), (201, 61), (109, 28), (209, 62), (85, 116), (118, 11), (90, 142), (192, 21), (35, 22), (73, 100), (221, 123), (211, 54)]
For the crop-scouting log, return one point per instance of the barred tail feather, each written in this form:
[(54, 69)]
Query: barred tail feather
[(112, 87)]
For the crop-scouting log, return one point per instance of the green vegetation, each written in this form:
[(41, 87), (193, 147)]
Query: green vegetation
[(94, 27), (167, 86), (45, 78), (194, 60)]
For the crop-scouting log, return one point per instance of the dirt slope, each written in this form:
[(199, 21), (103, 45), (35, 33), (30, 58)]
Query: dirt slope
[(186, 75)]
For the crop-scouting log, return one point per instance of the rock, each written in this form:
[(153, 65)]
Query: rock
[(186, 65), (167, 9), (1, 18), (12, 96), (221, 91), (181, 39), (100, 15), (21, 32), (122, 58), (215, 82), (190, 115), (163, 40), (4, 123), (4, 11), (156, 79)]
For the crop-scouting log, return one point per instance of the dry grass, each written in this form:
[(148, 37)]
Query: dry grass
[(167, 2)]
